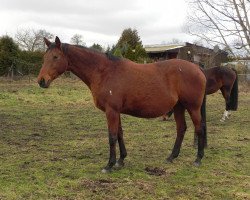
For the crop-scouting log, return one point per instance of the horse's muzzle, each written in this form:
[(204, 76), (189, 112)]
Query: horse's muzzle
[(42, 83)]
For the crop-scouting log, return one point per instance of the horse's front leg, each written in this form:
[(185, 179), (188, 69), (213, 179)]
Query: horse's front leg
[(113, 118)]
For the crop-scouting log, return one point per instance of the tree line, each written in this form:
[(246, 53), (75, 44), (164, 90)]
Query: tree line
[(23, 54)]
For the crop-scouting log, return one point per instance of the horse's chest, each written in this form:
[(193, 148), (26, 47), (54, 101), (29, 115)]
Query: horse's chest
[(104, 98), (99, 103)]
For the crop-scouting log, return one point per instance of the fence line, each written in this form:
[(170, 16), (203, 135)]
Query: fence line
[(244, 78)]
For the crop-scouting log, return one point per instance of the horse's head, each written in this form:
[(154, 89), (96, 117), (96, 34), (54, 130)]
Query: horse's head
[(54, 63)]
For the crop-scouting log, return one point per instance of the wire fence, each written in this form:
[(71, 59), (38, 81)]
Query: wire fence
[(244, 78)]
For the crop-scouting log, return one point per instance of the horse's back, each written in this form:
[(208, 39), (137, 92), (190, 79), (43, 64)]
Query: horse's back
[(219, 72)]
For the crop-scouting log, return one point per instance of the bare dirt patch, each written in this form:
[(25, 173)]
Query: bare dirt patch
[(155, 171)]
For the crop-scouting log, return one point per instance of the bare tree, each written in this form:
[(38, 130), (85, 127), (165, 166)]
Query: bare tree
[(31, 39), (224, 23), (77, 40)]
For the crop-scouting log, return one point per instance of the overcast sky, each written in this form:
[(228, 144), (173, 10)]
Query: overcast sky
[(98, 21)]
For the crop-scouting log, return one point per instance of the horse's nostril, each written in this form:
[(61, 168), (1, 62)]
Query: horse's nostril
[(42, 82)]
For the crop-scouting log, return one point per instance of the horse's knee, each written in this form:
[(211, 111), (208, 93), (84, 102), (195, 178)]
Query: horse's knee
[(112, 139)]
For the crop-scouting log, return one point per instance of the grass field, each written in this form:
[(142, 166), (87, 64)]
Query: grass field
[(53, 145)]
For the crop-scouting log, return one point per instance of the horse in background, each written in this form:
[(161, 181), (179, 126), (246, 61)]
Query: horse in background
[(141, 90), (224, 79)]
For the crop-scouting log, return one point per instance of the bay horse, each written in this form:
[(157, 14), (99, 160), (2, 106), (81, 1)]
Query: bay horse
[(120, 86), (224, 79)]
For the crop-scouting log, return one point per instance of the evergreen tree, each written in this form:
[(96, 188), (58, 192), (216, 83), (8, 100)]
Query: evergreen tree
[(141, 54), (30, 62), (129, 37), (118, 53), (130, 53), (130, 46), (8, 53), (97, 47)]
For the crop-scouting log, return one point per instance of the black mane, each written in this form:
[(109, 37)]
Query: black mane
[(112, 57), (108, 55), (65, 49)]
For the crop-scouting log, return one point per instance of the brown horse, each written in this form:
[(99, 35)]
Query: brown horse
[(141, 90), (224, 79)]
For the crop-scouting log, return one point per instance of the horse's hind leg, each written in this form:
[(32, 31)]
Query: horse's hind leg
[(225, 90), (179, 115), (199, 131), (225, 115), (166, 116), (123, 151)]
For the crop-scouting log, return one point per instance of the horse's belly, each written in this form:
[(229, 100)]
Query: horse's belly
[(143, 113), (149, 109)]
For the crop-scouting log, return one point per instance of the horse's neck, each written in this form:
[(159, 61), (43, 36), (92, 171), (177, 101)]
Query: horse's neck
[(86, 65)]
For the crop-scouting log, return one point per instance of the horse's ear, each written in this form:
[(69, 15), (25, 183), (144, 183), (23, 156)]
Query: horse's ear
[(58, 42), (47, 42)]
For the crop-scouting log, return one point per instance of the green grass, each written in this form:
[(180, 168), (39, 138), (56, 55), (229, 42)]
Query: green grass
[(53, 145)]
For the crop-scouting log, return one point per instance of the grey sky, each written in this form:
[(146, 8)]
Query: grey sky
[(99, 21)]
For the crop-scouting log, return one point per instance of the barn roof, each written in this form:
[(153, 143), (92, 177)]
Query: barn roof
[(161, 48)]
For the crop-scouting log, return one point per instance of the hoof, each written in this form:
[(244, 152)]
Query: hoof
[(222, 120), (106, 171), (119, 164), (169, 160), (197, 163)]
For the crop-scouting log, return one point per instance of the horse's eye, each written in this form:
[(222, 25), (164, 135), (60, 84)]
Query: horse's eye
[(55, 57)]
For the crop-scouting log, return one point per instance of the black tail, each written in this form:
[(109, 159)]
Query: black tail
[(233, 103)]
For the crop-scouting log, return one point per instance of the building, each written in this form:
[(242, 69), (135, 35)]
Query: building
[(203, 56)]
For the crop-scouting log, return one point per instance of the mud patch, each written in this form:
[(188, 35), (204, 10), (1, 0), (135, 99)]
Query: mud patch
[(155, 171)]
